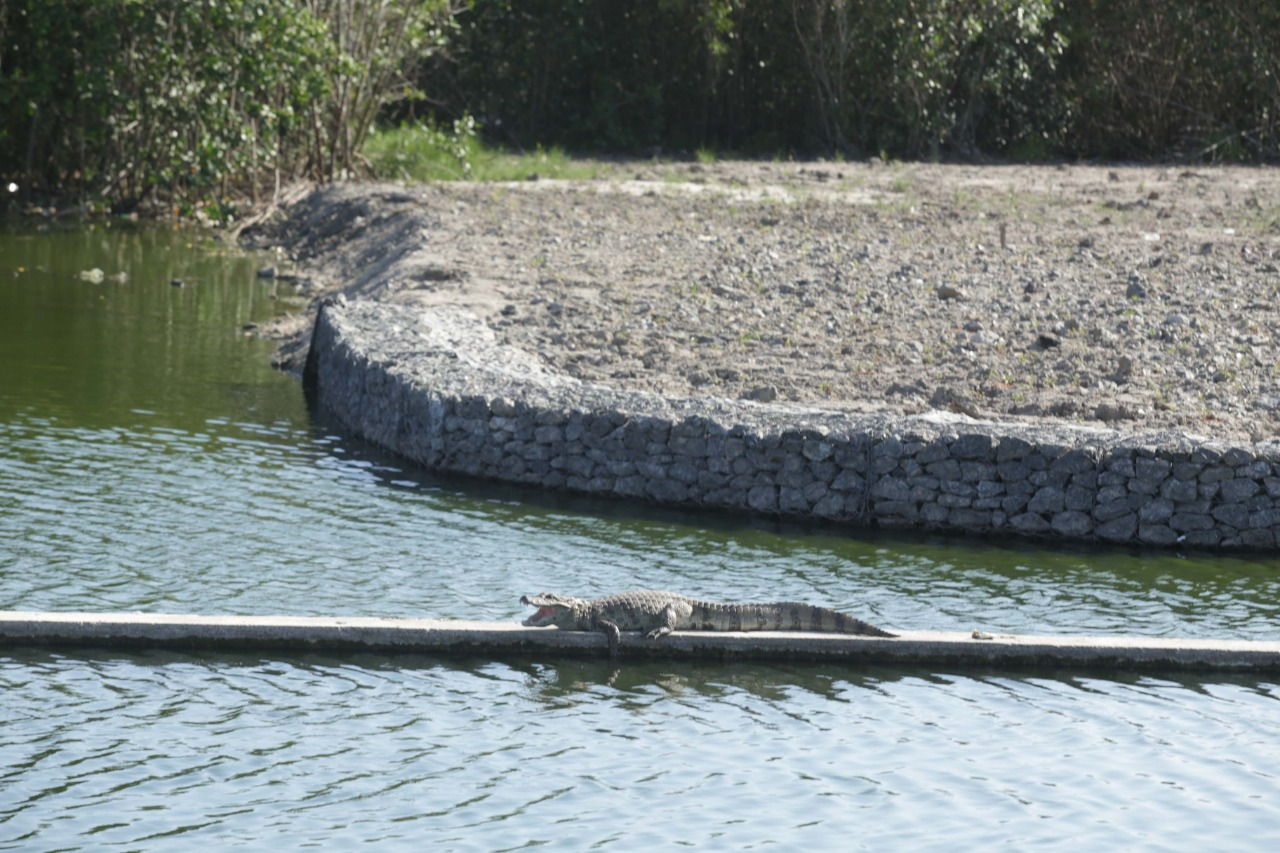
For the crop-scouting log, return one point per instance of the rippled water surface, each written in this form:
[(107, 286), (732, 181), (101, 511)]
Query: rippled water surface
[(151, 460)]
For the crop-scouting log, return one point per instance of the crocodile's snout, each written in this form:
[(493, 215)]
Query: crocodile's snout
[(541, 616)]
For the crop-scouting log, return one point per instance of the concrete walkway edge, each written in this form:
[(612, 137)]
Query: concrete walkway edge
[(195, 633)]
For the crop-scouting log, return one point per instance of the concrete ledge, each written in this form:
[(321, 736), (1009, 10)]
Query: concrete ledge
[(429, 636), (434, 386)]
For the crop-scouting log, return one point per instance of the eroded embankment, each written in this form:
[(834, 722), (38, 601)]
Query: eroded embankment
[(433, 385)]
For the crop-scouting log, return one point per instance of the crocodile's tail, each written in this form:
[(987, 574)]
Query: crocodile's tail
[(781, 616)]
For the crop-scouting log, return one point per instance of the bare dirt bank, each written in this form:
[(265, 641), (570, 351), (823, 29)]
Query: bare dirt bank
[(1137, 298)]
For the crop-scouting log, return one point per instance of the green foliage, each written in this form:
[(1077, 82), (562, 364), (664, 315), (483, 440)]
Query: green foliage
[(906, 78), (430, 151), (425, 152), (917, 76), (189, 101), (1196, 79), (911, 78), (122, 100), (606, 74)]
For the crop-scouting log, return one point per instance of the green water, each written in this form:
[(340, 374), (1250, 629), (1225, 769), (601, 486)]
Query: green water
[(151, 460), (94, 352)]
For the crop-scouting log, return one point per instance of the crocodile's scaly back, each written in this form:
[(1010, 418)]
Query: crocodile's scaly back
[(779, 616), (659, 613)]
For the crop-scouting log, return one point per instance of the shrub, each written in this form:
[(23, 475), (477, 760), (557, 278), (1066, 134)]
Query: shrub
[(121, 100), (1190, 79)]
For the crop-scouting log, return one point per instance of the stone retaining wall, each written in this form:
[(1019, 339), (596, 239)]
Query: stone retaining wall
[(434, 386)]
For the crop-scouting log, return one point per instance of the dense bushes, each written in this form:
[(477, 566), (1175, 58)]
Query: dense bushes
[(910, 78), (1191, 79), (118, 99)]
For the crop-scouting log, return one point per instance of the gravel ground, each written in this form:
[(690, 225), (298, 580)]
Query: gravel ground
[(1134, 298)]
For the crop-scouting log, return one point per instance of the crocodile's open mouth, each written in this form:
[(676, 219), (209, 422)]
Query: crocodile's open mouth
[(540, 617)]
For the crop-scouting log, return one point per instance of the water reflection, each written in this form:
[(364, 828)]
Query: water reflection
[(420, 750), (273, 518), (148, 464), (106, 353)]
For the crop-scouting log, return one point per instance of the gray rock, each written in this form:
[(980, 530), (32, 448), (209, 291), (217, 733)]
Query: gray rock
[(1237, 456), (1187, 470), (1050, 499), (792, 501), (830, 507), (1157, 534), (1012, 471), (816, 451), (947, 469), (934, 514), (1265, 518), (1074, 461), (1013, 447), (970, 520), (761, 394), (1159, 509), (1239, 489), (1013, 504), (1154, 470), (933, 452), (1233, 514), (1259, 538), (848, 481), (1217, 473), (1111, 510), (1180, 490), (990, 489), (1079, 498), (667, 491), (889, 489), (763, 499), (1202, 538), (972, 446), (888, 510), (1118, 529), (1184, 521), (1029, 522), (1074, 524)]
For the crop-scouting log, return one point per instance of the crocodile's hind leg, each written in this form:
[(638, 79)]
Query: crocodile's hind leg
[(614, 634)]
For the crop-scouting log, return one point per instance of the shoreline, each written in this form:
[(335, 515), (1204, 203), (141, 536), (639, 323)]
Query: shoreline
[(434, 386), (1158, 476)]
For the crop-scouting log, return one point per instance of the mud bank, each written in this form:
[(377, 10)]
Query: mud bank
[(1079, 352), (434, 385)]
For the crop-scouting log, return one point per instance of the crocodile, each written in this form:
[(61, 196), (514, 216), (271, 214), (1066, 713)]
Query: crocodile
[(659, 613)]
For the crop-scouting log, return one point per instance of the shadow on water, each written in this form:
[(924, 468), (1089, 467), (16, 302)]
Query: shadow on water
[(573, 681)]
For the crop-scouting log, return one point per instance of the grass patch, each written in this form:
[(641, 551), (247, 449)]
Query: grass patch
[(435, 152)]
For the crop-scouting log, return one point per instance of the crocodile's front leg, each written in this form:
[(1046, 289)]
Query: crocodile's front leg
[(668, 621), (613, 632)]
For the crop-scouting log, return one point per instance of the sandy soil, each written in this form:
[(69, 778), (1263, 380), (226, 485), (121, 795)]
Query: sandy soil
[(1130, 297)]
